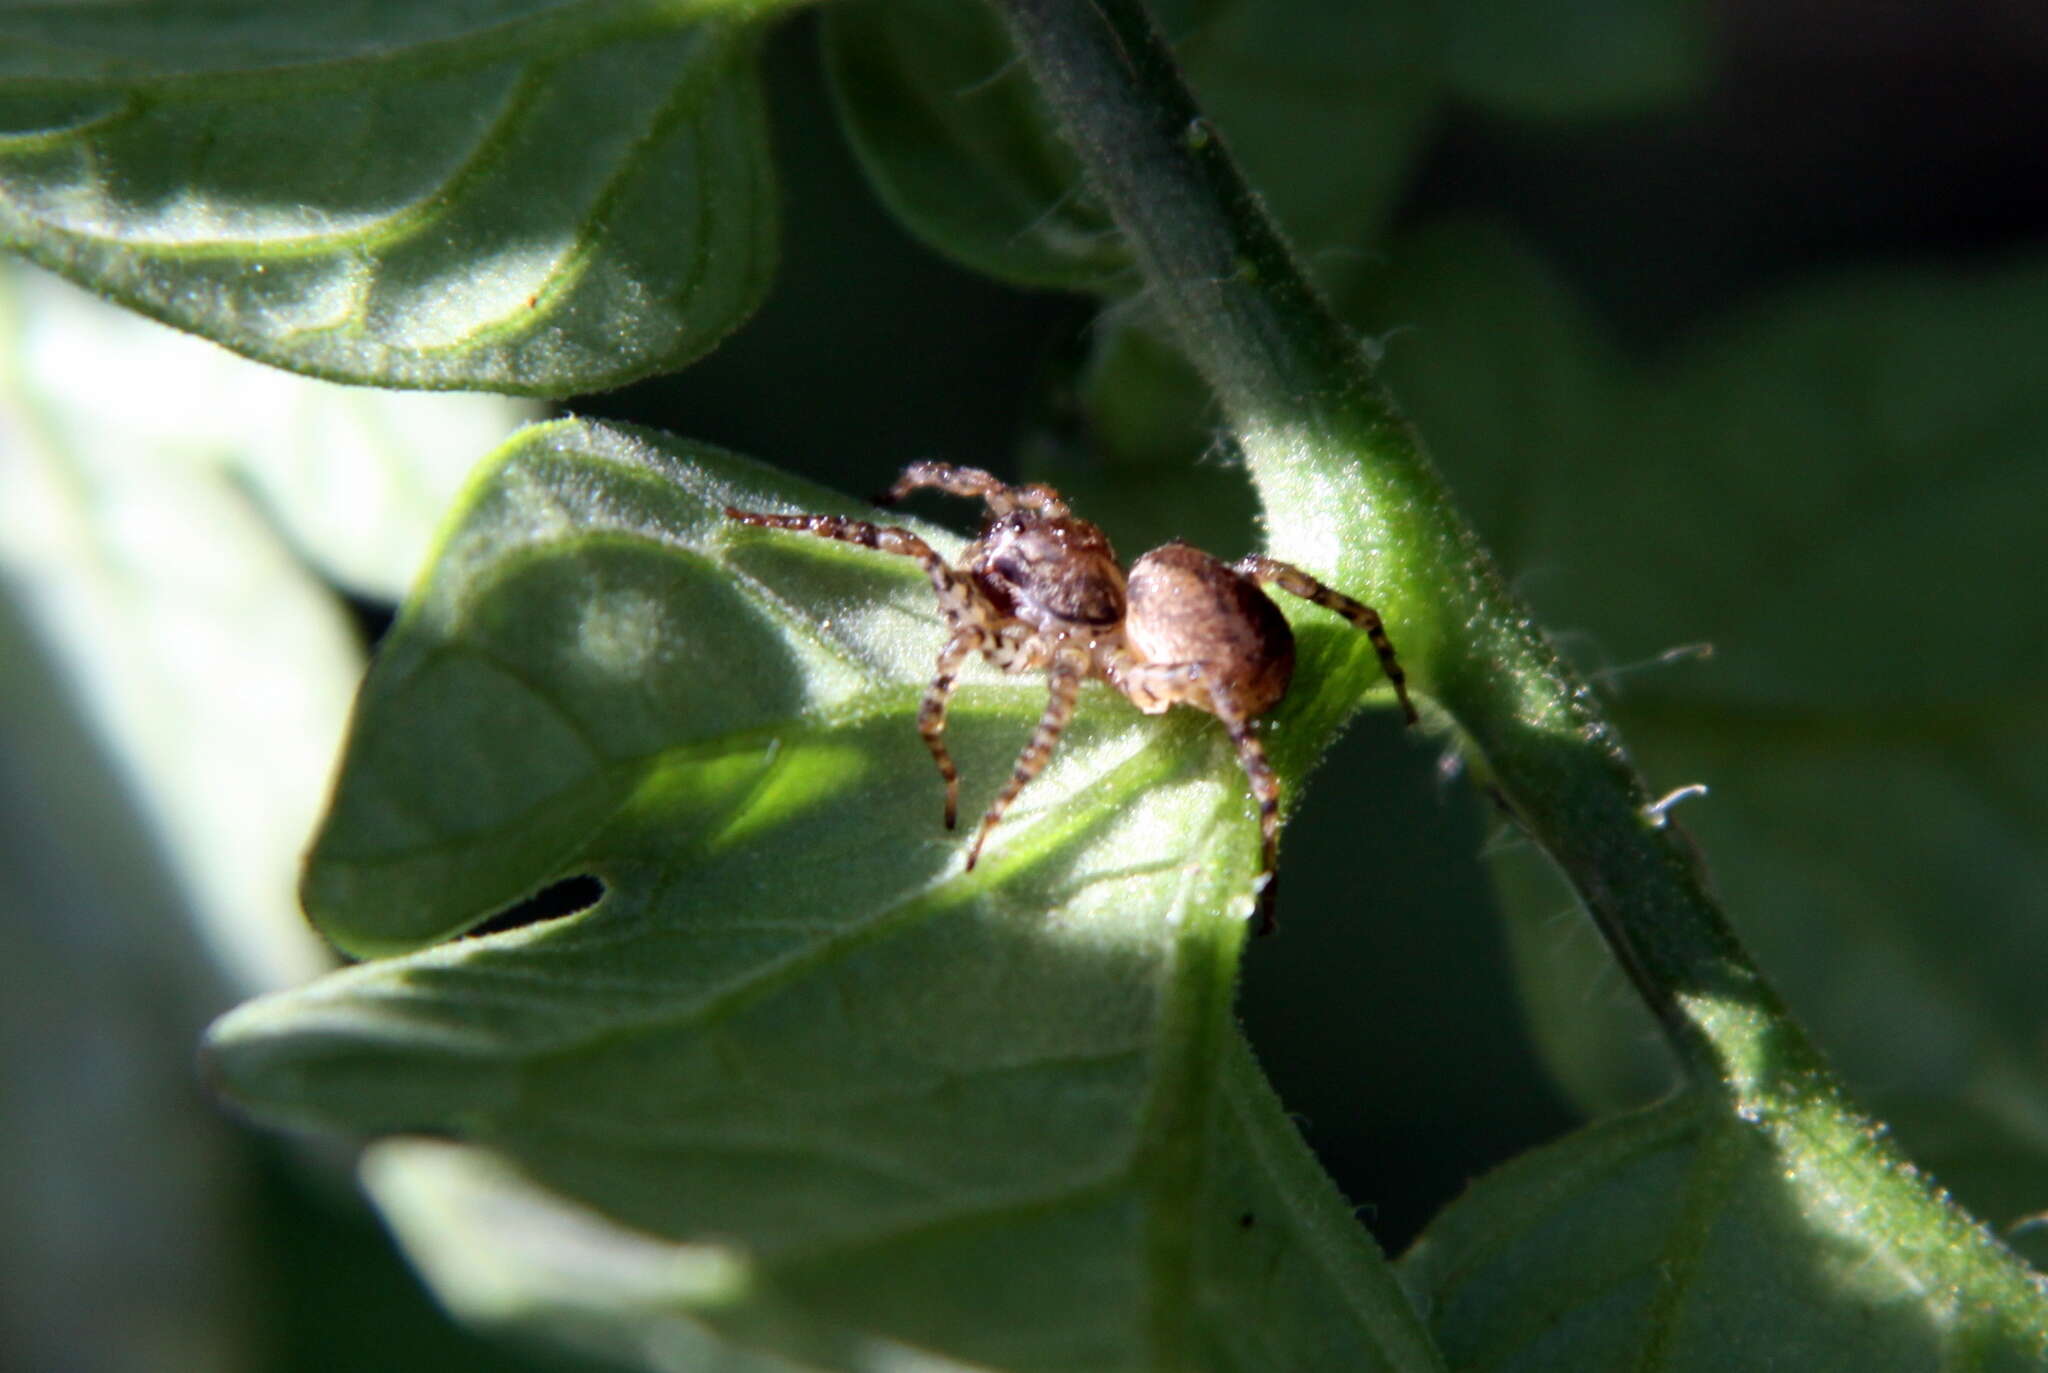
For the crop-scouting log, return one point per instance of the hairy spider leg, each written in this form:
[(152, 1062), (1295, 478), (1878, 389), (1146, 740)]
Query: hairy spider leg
[(1251, 756), (967, 640), (1067, 668), (959, 598), (975, 484), (1295, 582), (965, 609), (1164, 684)]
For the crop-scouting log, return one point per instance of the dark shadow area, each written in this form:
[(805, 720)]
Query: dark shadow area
[(371, 618), (552, 902), (1384, 1009), (1821, 140)]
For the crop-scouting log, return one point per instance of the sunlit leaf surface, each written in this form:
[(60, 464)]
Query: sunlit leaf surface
[(520, 196), (1002, 1116)]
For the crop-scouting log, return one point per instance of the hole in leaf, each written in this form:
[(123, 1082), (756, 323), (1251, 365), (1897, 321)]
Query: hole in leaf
[(370, 617), (552, 902)]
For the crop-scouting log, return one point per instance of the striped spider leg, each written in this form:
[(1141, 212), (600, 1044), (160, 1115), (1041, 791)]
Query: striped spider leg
[(1042, 590), (1039, 590)]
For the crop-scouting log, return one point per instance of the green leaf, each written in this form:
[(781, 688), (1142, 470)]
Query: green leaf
[(1840, 503), (1327, 103), (513, 195), (501, 1252), (955, 140), (208, 659), (1835, 489), (1002, 1116), (949, 131), (111, 1159), (1558, 58), (174, 683), (1685, 1238)]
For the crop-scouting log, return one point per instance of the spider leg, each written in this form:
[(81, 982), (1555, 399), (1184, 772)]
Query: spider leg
[(975, 484), (1251, 756), (1154, 687), (967, 640), (959, 600), (1295, 582), (1064, 675)]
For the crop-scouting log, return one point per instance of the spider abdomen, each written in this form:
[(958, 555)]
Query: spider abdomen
[(1041, 590), (1185, 606)]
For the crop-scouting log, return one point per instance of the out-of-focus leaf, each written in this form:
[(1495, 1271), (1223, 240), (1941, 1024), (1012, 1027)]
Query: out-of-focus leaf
[(142, 472), (1838, 491), (357, 480), (948, 128), (1555, 58), (1146, 405), (1685, 1238), (118, 1249), (1325, 102), (954, 140), (175, 683), (519, 196), (210, 662), (1001, 1116), (505, 1254)]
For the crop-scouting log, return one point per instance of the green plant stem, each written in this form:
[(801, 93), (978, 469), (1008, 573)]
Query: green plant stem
[(1331, 457), (1321, 435)]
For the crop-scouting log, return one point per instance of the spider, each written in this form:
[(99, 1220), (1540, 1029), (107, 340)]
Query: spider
[(1041, 590)]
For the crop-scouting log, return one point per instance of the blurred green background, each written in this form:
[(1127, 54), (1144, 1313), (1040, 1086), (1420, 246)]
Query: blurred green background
[(1735, 336)]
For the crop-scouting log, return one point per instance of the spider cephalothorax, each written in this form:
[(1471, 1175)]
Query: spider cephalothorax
[(1043, 591)]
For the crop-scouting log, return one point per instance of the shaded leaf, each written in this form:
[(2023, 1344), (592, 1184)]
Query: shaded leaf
[(1685, 1238), (950, 132), (1554, 58), (955, 140), (998, 1115), (530, 197), (1871, 719), (1835, 489), (1325, 102)]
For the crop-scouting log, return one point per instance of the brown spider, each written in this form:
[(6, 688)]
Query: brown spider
[(1042, 590)]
